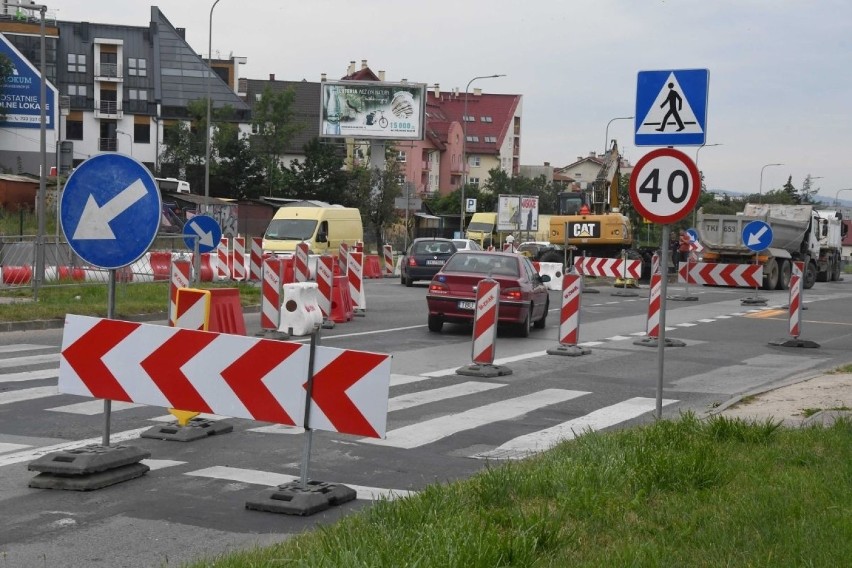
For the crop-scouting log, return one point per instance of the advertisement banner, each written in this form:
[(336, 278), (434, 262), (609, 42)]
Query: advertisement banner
[(517, 213), (20, 93), (372, 110)]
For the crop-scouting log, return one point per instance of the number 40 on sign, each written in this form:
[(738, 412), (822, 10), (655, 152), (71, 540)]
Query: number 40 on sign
[(665, 185)]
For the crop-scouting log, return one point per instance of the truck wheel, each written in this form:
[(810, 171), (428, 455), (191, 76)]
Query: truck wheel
[(810, 276), (770, 274), (835, 272), (784, 274), (822, 275)]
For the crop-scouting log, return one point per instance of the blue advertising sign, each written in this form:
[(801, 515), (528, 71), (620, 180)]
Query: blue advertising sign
[(757, 236), (671, 107), (110, 210), (205, 230), (21, 92)]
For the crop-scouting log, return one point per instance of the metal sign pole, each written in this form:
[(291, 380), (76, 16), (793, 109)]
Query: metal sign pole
[(196, 262), (309, 386), (661, 339), (110, 315)]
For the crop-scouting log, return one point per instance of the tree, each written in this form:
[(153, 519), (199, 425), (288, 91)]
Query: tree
[(5, 71), (238, 166), (319, 176), (376, 191), (806, 194), (273, 127)]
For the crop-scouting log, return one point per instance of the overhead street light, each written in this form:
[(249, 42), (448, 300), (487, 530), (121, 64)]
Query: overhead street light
[(837, 195), (464, 148), (606, 134), (129, 138), (207, 83), (697, 152), (760, 191)]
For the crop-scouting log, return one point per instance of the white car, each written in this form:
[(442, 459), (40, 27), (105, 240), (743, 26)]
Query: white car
[(466, 244)]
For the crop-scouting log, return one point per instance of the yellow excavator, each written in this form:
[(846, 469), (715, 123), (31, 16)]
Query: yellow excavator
[(591, 216)]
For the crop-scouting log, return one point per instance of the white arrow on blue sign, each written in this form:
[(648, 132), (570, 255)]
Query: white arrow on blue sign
[(205, 230), (110, 210), (757, 236)]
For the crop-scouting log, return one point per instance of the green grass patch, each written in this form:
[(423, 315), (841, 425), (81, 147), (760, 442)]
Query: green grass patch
[(722, 492), (131, 299)]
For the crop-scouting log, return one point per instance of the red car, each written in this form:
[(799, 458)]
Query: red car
[(523, 296)]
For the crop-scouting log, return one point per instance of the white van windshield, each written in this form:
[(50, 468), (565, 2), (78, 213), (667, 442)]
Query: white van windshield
[(291, 229)]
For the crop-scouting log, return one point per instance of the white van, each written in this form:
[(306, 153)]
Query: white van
[(323, 228)]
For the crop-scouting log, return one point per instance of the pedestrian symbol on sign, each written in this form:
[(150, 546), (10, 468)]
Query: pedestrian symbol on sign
[(670, 108)]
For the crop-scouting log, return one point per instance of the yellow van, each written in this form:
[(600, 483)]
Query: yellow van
[(323, 228), (482, 228)]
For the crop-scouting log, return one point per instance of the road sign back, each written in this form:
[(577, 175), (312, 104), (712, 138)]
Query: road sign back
[(671, 107)]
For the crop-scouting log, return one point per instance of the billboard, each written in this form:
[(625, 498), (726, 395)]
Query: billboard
[(517, 213), (20, 92), (372, 110)]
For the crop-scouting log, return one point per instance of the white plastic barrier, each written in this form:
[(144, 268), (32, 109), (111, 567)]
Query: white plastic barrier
[(300, 312), (554, 270)]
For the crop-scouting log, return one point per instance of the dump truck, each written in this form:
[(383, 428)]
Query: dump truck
[(799, 233)]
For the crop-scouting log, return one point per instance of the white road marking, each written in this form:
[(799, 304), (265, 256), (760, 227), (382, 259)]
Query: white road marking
[(396, 379), (28, 394), (161, 464), (501, 361), (542, 440), (686, 324), (271, 479), (618, 338), (278, 429), (6, 447), (422, 433), (375, 331), (30, 376), (93, 407), (18, 347), (707, 320), (420, 398), (29, 360), (30, 455)]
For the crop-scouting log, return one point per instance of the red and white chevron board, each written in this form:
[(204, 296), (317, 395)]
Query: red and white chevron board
[(387, 255), (256, 259), (343, 258), (569, 315), (180, 271), (223, 271), (608, 267), (300, 263), (239, 258), (325, 284), (192, 308), (224, 374), (795, 305), (355, 276), (271, 297), (485, 321), (743, 275), (652, 327)]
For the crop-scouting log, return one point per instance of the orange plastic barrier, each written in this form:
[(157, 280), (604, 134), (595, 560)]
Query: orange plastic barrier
[(17, 274), (161, 265), (341, 302), (226, 313), (372, 267)]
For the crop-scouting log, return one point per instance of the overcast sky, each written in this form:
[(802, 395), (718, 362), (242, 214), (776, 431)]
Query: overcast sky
[(780, 70)]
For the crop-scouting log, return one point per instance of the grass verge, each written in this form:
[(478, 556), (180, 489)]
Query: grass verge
[(722, 492)]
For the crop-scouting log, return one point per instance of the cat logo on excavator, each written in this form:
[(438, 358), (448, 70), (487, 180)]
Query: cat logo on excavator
[(584, 230)]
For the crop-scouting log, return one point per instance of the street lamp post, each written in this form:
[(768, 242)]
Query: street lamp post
[(464, 148), (606, 134), (837, 195), (129, 138), (760, 190), (207, 82), (697, 152)]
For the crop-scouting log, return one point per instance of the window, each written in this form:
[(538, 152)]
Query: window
[(137, 67), (469, 118), (73, 129), (76, 63), (400, 156), (473, 161), (486, 119), (76, 90), (473, 181), (491, 139), (142, 133), (473, 138), (138, 94)]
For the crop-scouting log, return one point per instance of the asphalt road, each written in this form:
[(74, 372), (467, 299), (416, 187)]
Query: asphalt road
[(441, 426)]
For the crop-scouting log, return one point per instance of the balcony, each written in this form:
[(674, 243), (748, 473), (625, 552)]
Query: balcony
[(108, 144), (108, 72), (108, 109), (424, 165)]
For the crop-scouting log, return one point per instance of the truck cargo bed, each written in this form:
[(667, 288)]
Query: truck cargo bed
[(724, 233)]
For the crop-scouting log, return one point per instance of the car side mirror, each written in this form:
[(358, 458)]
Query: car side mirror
[(544, 278), (322, 237)]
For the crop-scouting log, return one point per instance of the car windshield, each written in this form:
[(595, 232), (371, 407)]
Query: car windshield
[(480, 227), (483, 264), (290, 229), (433, 247)]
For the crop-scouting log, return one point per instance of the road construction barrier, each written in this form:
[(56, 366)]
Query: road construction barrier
[(569, 318), (160, 262), (354, 274), (554, 270), (192, 309), (238, 262), (300, 263), (343, 257), (270, 300), (223, 271), (795, 305), (359, 246), (372, 268), (717, 274), (485, 332), (652, 327), (341, 301), (226, 312), (387, 258), (256, 259), (325, 283), (608, 267), (207, 266), (180, 274), (655, 263), (300, 313)]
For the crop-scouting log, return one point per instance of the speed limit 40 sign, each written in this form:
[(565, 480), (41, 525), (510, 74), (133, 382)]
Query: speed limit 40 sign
[(665, 185)]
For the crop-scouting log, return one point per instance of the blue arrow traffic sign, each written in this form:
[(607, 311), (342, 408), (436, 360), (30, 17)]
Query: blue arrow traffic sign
[(110, 210), (757, 236), (693, 234), (205, 230), (671, 107)]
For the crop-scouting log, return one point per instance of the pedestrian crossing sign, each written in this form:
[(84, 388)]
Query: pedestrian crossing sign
[(671, 107)]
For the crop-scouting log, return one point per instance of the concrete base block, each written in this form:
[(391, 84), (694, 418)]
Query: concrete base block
[(682, 298), (293, 499), (88, 459), (476, 370), (195, 429), (794, 342), (654, 342), (569, 350), (590, 290), (625, 293), (754, 301), (89, 481), (359, 313), (327, 324), (272, 334)]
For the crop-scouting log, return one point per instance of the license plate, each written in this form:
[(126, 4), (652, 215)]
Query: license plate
[(467, 306), (435, 262)]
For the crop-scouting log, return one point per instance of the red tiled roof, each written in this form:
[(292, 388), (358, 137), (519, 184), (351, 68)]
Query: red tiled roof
[(500, 108), (363, 74)]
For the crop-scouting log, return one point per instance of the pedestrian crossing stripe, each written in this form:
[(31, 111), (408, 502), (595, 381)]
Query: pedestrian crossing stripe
[(671, 107)]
